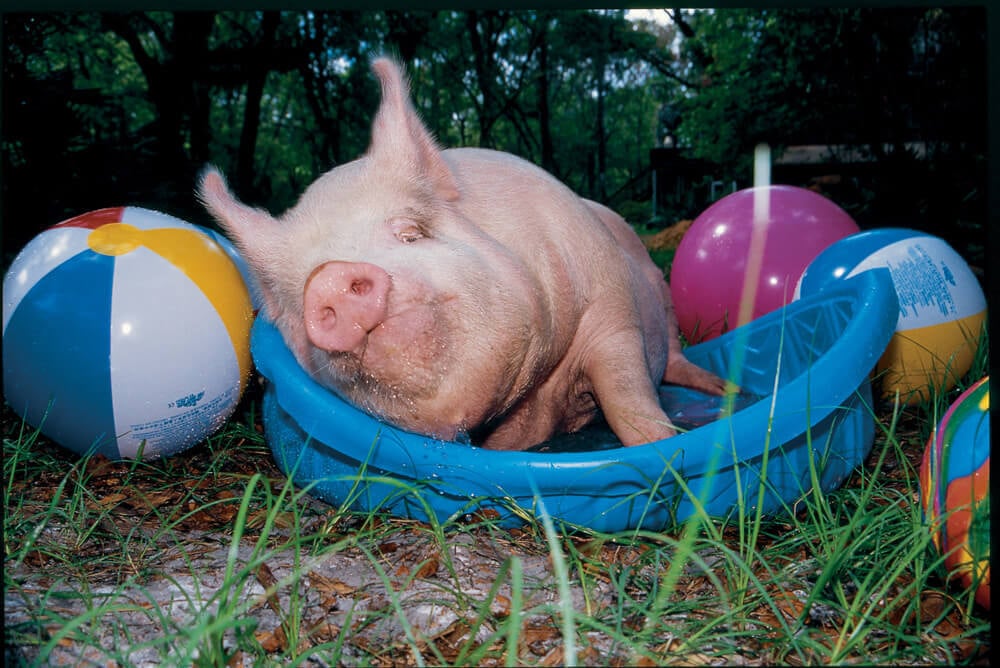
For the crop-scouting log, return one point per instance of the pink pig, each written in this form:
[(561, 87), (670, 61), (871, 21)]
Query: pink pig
[(464, 291)]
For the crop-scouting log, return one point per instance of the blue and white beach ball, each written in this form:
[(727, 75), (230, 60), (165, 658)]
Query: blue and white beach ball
[(125, 330), (942, 307)]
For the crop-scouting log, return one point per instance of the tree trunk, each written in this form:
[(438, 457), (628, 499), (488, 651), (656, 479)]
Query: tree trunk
[(483, 44), (544, 113), (600, 138), (181, 105), (251, 112)]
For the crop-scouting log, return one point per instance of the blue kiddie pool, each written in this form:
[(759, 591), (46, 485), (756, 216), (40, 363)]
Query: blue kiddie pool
[(804, 416)]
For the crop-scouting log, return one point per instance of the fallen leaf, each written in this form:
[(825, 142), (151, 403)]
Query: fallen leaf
[(237, 659), (36, 558), (153, 500), (99, 466), (323, 631), (258, 518), (536, 638), (328, 585), (109, 501), (428, 569), (272, 641), (388, 547), (270, 583), (500, 606), (554, 657), (789, 604)]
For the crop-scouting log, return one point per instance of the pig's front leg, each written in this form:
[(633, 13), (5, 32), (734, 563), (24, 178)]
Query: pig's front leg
[(625, 393)]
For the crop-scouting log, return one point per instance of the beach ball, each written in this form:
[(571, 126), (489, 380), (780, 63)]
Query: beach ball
[(955, 489), (748, 250), (125, 330), (942, 308)]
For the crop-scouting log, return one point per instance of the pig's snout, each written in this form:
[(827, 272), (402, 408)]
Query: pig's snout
[(343, 301)]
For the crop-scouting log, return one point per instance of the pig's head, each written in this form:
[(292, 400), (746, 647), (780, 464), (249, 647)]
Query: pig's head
[(383, 290)]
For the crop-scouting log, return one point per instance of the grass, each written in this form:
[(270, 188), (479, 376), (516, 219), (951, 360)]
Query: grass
[(212, 558)]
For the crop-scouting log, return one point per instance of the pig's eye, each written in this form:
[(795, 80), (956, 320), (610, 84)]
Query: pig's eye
[(409, 235), (407, 231)]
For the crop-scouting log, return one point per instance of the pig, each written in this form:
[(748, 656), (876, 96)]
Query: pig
[(464, 293)]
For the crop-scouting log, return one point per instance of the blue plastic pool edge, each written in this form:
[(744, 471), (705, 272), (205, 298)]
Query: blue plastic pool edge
[(820, 419)]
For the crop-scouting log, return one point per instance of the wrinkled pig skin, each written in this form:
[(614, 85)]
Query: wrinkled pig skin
[(464, 292)]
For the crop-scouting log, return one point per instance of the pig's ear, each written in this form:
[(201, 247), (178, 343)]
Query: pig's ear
[(250, 228), (253, 231), (398, 135)]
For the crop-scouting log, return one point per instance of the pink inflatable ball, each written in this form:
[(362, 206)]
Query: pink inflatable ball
[(720, 252)]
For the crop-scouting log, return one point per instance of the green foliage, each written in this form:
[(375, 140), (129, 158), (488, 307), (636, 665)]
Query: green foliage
[(276, 99), (110, 108), (859, 76)]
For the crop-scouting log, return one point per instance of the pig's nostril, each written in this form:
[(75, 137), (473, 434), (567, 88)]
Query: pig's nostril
[(343, 301)]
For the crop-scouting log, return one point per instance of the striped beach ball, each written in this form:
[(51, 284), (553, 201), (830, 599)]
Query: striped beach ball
[(955, 489), (125, 331), (942, 307)]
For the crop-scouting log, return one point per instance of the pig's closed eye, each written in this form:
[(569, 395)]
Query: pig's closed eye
[(407, 231)]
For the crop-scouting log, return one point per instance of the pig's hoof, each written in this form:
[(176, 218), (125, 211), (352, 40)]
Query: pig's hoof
[(684, 373)]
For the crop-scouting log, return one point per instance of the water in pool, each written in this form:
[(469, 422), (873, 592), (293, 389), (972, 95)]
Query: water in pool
[(688, 409)]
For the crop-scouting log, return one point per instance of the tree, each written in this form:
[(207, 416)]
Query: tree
[(883, 80), (104, 108), (166, 50)]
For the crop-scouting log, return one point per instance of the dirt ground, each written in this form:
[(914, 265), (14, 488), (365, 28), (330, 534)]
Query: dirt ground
[(397, 568), (158, 561)]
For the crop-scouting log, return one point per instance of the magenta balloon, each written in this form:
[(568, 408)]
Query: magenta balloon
[(712, 261)]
